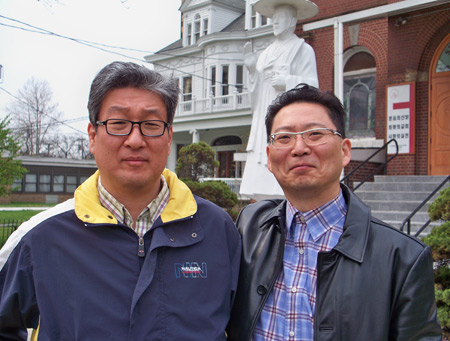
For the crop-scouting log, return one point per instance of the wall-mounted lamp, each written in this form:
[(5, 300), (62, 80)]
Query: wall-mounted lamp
[(400, 21)]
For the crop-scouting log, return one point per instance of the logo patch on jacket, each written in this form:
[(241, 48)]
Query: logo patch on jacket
[(191, 270)]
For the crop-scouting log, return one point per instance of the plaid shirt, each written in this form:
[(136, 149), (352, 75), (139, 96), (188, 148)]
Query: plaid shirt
[(289, 311), (147, 217)]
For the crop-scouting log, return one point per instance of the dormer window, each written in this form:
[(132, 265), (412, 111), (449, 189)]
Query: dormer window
[(205, 26), (258, 20), (253, 20), (189, 34), (263, 20), (196, 28)]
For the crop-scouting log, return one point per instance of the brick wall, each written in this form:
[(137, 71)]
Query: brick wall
[(402, 54), (332, 8), (37, 197), (410, 56)]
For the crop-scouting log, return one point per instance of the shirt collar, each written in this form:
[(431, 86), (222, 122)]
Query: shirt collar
[(150, 212), (318, 220)]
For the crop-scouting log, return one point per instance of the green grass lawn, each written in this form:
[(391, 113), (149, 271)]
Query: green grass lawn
[(8, 217), (17, 215), (26, 204)]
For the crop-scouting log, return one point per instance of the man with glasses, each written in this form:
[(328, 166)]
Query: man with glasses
[(135, 255), (285, 62), (317, 265)]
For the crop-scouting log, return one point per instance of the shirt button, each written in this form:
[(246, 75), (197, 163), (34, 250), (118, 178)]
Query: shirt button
[(294, 289), (291, 333), (301, 251)]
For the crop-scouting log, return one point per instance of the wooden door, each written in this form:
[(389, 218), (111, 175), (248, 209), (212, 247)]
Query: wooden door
[(227, 166), (439, 119)]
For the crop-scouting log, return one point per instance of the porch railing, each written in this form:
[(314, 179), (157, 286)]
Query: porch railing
[(346, 179), (234, 101), (233, 183), (407, 221)]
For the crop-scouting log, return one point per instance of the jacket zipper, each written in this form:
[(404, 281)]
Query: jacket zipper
[(141, 248)]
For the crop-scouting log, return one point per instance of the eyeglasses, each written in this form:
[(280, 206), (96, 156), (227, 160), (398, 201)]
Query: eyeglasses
[(118, 127), (311, 137)]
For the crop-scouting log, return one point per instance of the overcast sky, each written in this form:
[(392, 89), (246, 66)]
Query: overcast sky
[(67, 65)]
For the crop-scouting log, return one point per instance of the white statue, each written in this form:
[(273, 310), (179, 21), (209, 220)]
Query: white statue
[(286, 62)]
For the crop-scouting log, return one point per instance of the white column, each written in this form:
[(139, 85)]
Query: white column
[(339, 60), (195, 135)]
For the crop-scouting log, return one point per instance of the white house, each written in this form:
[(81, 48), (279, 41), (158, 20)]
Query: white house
[(208, 62)]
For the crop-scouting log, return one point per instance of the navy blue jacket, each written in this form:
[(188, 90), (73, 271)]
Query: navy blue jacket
[(74, 273)]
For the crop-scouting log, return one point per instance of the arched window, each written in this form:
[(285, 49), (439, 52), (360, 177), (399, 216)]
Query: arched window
[(227, 140), (443, 64), (228, 168), (359, 92)]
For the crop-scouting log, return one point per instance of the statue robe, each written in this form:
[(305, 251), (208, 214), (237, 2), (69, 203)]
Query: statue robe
[(296, 60)]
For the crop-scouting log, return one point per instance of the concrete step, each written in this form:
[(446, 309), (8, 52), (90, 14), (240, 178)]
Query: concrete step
[(414, 227), (391, 196), (419, 217), (409, 178), (401, 205), (427, 187)]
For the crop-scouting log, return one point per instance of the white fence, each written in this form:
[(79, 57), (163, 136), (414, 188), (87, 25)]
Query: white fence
[(233, 183)]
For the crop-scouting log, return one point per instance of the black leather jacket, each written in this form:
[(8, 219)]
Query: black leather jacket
[(376, 284)]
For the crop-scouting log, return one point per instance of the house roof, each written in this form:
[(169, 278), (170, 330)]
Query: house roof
[(237, 25), (234, 3), (230, 3), (173, 46), (55, 161)]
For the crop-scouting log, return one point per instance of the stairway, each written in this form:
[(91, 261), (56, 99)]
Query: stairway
[(393, 198)]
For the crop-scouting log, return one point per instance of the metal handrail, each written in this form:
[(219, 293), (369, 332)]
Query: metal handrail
[(383, 165), (407, 220)]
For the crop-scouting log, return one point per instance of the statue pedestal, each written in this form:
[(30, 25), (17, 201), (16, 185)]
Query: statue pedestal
[(258, 182)]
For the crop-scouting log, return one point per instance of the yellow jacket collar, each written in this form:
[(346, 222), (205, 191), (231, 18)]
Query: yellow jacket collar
[(88, 208), (181, 201)]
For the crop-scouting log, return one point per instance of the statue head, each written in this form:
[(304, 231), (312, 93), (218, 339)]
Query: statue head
[(284, 20)]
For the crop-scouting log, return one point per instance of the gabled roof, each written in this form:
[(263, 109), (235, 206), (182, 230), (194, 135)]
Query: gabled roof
[(234, 3), (236, 25), (173, 46)]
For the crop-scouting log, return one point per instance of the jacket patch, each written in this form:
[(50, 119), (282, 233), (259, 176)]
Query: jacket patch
[(191, 270)]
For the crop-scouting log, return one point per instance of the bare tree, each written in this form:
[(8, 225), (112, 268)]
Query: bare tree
[(68, 146), (83, 148), (33, 115)]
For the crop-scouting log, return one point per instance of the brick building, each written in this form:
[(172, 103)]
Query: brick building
[(387, 60), (49, 180), (384, 44)]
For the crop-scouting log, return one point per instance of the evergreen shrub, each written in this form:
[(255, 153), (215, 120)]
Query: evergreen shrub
[(439, 241)]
